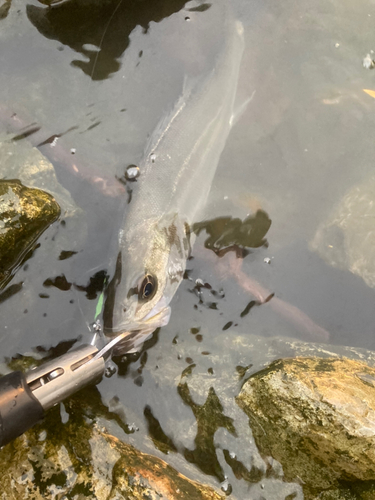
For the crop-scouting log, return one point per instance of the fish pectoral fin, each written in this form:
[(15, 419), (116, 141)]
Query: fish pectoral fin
[(240, 110)]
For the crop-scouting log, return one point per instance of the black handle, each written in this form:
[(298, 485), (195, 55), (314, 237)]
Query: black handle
[(19, 408)]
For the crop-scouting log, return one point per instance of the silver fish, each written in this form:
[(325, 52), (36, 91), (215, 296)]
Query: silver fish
[(176, 174)]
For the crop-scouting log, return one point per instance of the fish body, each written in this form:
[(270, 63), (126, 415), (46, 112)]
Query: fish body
[(176, 174)]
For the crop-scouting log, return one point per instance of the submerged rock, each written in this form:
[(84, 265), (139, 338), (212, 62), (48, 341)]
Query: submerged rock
[(24, 214), (19, 160), (49, 463), (317, 418), (347, 238), (31, 199)]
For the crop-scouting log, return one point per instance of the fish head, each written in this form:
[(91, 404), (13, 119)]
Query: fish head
[(149, 269)]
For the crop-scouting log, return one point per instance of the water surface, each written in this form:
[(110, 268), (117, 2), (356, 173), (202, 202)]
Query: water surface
[(107, 72)]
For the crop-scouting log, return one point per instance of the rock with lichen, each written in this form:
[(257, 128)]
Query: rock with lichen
[(25, 213), (80, 459), (36, 470), (19, 160), (317, 418), (31, 199)]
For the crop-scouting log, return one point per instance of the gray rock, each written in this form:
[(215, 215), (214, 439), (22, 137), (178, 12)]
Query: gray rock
[(347, 238)]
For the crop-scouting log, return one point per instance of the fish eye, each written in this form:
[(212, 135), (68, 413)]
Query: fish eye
[(148, 288)]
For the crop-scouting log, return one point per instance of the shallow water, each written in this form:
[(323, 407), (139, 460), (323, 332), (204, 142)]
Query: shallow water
[(304, 140)]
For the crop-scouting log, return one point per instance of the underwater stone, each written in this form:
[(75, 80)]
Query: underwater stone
[(100, 467), (317, 418), (346, 240), (77, 458), (25, 213)]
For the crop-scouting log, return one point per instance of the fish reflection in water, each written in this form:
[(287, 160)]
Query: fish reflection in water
[(176, 175)]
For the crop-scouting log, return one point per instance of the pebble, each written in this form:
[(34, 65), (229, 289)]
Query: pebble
[(368, 62)]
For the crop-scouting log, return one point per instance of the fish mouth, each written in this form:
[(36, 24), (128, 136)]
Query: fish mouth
[(145, 326), (137, 332)]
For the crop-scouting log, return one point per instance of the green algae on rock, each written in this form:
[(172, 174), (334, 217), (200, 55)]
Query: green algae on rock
[(25, 213), (317, 418)]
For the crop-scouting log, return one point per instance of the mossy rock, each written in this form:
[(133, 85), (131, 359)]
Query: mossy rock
[(115, 470), (31, 199), (317, 418), (25, 213), (75, 457)]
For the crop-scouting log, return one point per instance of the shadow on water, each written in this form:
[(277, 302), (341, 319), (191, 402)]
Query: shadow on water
[(4, 8), (124, 361), (226, 232), (161, 441), (106, 25), (42, 355), (210, 418)]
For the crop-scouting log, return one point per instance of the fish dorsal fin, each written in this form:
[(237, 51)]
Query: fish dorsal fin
[(190, 83)]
